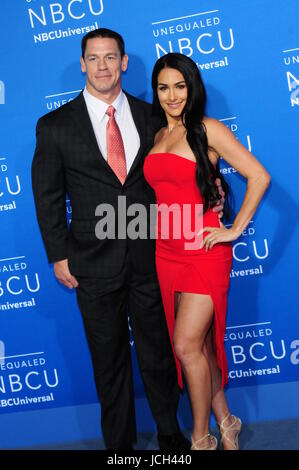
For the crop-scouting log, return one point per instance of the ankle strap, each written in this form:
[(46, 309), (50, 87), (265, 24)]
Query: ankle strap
[(224, 419), (194, 443)]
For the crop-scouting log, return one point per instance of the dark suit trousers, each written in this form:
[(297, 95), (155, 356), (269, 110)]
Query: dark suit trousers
[(104, 304)]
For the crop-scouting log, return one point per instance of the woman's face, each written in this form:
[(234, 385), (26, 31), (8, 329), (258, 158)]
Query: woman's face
[(172, 92)]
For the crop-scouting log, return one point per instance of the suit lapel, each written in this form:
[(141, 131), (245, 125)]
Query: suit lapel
[(141, 126)]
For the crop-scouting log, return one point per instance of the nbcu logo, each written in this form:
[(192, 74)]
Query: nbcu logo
[(2, 92), (57, 12)]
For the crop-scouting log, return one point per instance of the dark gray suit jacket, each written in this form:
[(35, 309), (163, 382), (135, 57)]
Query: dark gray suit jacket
[(67, 160)]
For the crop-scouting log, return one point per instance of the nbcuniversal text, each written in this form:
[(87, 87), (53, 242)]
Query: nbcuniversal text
[(26, 400)]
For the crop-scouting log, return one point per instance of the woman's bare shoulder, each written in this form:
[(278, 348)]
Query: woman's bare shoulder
[(210, 124), (216, 130)]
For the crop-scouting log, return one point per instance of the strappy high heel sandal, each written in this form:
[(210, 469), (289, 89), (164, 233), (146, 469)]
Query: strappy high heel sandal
[(235, 426), (212, 443)]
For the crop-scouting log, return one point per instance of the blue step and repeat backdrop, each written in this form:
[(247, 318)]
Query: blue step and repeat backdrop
[(248, 54)]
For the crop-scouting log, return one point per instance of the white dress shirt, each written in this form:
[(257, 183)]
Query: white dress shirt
[(123, 116)]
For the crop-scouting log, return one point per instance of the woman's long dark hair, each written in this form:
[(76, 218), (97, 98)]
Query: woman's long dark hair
[(192, 118)]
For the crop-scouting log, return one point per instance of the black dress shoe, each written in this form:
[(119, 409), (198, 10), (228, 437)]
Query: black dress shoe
[(174, 442)]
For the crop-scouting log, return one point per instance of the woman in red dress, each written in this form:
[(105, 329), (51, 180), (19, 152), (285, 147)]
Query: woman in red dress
[(193, 248)]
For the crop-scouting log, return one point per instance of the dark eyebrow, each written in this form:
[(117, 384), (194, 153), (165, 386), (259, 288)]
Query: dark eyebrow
[(96, 55), (177, 83)]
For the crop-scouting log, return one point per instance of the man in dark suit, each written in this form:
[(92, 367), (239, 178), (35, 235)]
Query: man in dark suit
[(111, 276)]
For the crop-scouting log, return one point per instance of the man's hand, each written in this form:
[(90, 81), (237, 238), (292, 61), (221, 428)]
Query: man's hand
[(62, 273), (220, 204)]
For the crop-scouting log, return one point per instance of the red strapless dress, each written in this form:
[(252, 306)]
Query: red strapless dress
[(181, 265)]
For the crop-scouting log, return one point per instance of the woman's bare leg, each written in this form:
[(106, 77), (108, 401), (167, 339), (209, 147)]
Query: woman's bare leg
[(193, 320), (219, 404)]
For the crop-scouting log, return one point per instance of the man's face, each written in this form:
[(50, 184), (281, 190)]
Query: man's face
[(103, 66)]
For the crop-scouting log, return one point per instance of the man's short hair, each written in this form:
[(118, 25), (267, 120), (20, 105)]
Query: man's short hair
[(103, 33)]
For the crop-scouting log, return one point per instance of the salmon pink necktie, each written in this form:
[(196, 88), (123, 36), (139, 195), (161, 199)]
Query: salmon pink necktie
[(115, 147)]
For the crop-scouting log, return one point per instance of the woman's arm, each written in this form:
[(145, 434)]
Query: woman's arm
[(258, 179)]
